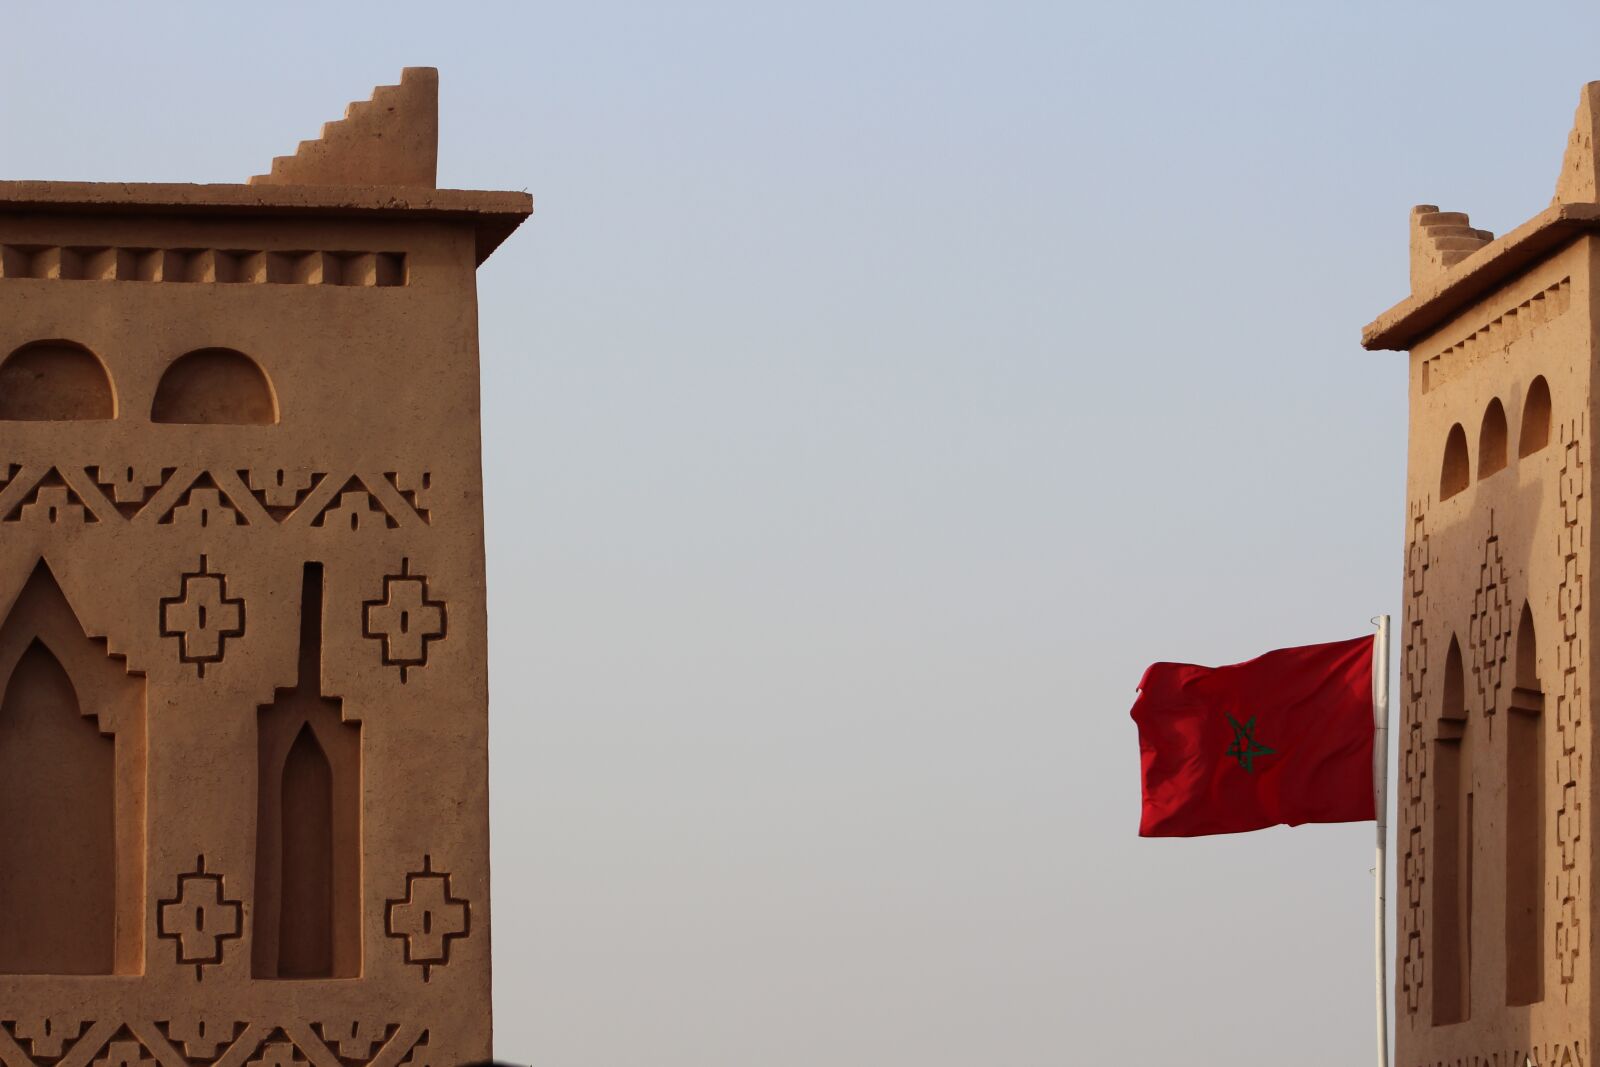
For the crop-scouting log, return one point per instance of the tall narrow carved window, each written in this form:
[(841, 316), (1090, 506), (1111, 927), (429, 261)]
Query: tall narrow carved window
[(1456, 472), (1535, 418), (1492, 439), (1452, 848), (71, 794), (305, 915), (308, 829), (1525, 774)]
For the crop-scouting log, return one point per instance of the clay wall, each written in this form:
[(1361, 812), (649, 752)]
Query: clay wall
[(1491, 837), (242, 647)]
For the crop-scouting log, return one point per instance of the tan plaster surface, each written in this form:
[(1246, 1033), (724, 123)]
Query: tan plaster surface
[(242, 647), (1494, 871)]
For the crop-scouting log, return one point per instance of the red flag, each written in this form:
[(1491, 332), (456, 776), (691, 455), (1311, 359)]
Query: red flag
[(1283, 738)]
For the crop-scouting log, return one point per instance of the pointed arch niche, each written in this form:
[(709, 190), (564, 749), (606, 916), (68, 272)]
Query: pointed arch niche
[(308, 821), (1525, 775), (1452, 847), (72, 771)]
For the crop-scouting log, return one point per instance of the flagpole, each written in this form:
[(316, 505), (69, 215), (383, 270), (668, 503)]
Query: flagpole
[(1380, 798)]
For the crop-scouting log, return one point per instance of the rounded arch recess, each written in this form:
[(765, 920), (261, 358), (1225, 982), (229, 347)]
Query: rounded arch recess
[(215, 386), (55, 381), (1535, 433), (1456, 472), (1492, 437)]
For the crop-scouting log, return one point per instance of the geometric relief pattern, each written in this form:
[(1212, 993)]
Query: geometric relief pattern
[(416, 486), (1413, 763), (130, 487), (1570, 756), (203, 266), (125, 1050), (1489, 632), (427, 918), (204, 505), (199, 918), (201, 1038), (1496, 334), (355, 508), (279, 489), (1556, 1054), (45, 1037), (404, 619), (202, 617), (243, 496), (278, 1050), (197, 1040), (52, 499), (422, 1055), (356, 1041)]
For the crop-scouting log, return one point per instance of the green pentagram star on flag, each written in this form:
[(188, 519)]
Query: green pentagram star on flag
[(1245, 747), (1203, 731)]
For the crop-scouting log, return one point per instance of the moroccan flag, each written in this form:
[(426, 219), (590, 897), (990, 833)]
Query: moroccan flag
[(1283, 738)]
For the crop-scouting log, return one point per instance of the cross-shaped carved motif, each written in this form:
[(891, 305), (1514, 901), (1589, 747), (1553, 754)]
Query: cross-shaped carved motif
[(404, 619), (428, 918), (199, 919), (202, 617)]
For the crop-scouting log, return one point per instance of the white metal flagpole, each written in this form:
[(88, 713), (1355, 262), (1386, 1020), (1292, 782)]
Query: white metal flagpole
[(1380, 802)]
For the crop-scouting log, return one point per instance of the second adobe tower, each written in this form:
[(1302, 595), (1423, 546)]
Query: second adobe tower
[(1496, 901)]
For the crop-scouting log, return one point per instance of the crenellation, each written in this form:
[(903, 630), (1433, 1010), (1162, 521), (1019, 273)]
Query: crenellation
[(1579, 181), (1440, 240), (389, 139)]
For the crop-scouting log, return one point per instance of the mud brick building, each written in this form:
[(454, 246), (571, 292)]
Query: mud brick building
[(243, 704)]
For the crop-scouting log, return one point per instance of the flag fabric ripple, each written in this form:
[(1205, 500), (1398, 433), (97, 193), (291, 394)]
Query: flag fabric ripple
[(1285, 738)]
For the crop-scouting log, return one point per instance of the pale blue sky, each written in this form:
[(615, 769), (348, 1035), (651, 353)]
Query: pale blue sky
[(877, 389)]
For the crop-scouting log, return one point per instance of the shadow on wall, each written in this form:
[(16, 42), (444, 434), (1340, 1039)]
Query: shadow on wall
[(1487, 748)]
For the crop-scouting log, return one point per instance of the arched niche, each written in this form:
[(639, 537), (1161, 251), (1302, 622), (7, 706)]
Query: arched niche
[(1535, 418), (215, 386), (72, 769), (308, 821), (1492, 439), (55, 381), (1456, 472), (1453, 818), (1525, 822)]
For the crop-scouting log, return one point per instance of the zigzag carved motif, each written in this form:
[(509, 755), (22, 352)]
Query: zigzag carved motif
[(208, 1040), (338, 500)]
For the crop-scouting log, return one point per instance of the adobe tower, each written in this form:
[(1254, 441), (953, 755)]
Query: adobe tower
[(1495, 874), (243, 702)]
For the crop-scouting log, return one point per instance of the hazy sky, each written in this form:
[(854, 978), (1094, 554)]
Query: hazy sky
[(877, 389)]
